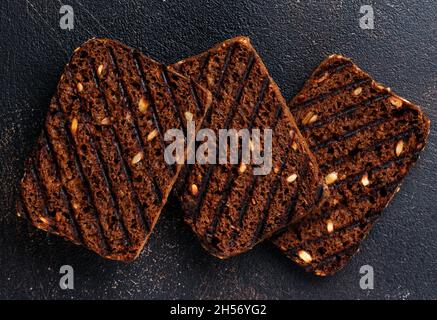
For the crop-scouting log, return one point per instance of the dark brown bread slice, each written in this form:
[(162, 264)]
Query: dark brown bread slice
[(365, 139), (231, 209), (97, 176)]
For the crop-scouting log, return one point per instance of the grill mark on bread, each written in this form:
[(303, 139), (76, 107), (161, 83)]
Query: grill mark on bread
[(228, 56), (349, 134), (338, 161), (230, 115), (333, 68), (102, 168), (146, 89), (361, 196), (259, 230), (301, 162), (239, 93), (356, 177), (115, 136), (245, 203), (195, 96), (74, 224), (212, 228), (233, 173), (109, 187), (309, 102), (366, 145), (202, 67), (71, 146), (369, 216), (185, 174), (387, 118), (348, 251), (39, 189), (345, 112), (289, 211), (218, 86), (244, 206), (176, 109), (128, 104)]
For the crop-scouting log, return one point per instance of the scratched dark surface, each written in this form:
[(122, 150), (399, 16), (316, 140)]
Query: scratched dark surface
[(292, 37)]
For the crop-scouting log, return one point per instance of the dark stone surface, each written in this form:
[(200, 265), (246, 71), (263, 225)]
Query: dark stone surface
[(292, 37)]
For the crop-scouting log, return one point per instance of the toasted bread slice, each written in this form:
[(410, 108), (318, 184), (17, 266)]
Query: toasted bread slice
[(229, 207), (365, 139), (97, 175)]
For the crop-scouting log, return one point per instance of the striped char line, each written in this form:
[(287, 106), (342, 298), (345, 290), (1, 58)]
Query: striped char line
[(211, 231), (128, 105), (290, 208), (104, 245), (337, 255), (344, 112), (176, 109), (74, 224), (333, 92), (259, 231), (248, 196), (195, 96), (233, 173), (239, 93), (228, 56), (119, 150), (199, 107), (369, 217), (146, 89), (108, 185), (335, 67), (103, 167), (350, 134), (34, 172), (203, 123), (381, 142), (207, 119), (245, 204), (205, 62), (202, 191), (210, 170), (390, 187), (260, 98), (355, 177)]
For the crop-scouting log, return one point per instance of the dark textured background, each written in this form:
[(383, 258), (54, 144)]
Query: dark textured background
[(292, 36)]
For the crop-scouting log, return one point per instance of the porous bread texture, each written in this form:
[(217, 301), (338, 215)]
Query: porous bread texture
[(365, 139), (229, 208), (97, 175)]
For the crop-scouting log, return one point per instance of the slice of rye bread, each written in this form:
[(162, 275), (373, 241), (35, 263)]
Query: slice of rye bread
[(228, 207), (97, 175), (365, 139)]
